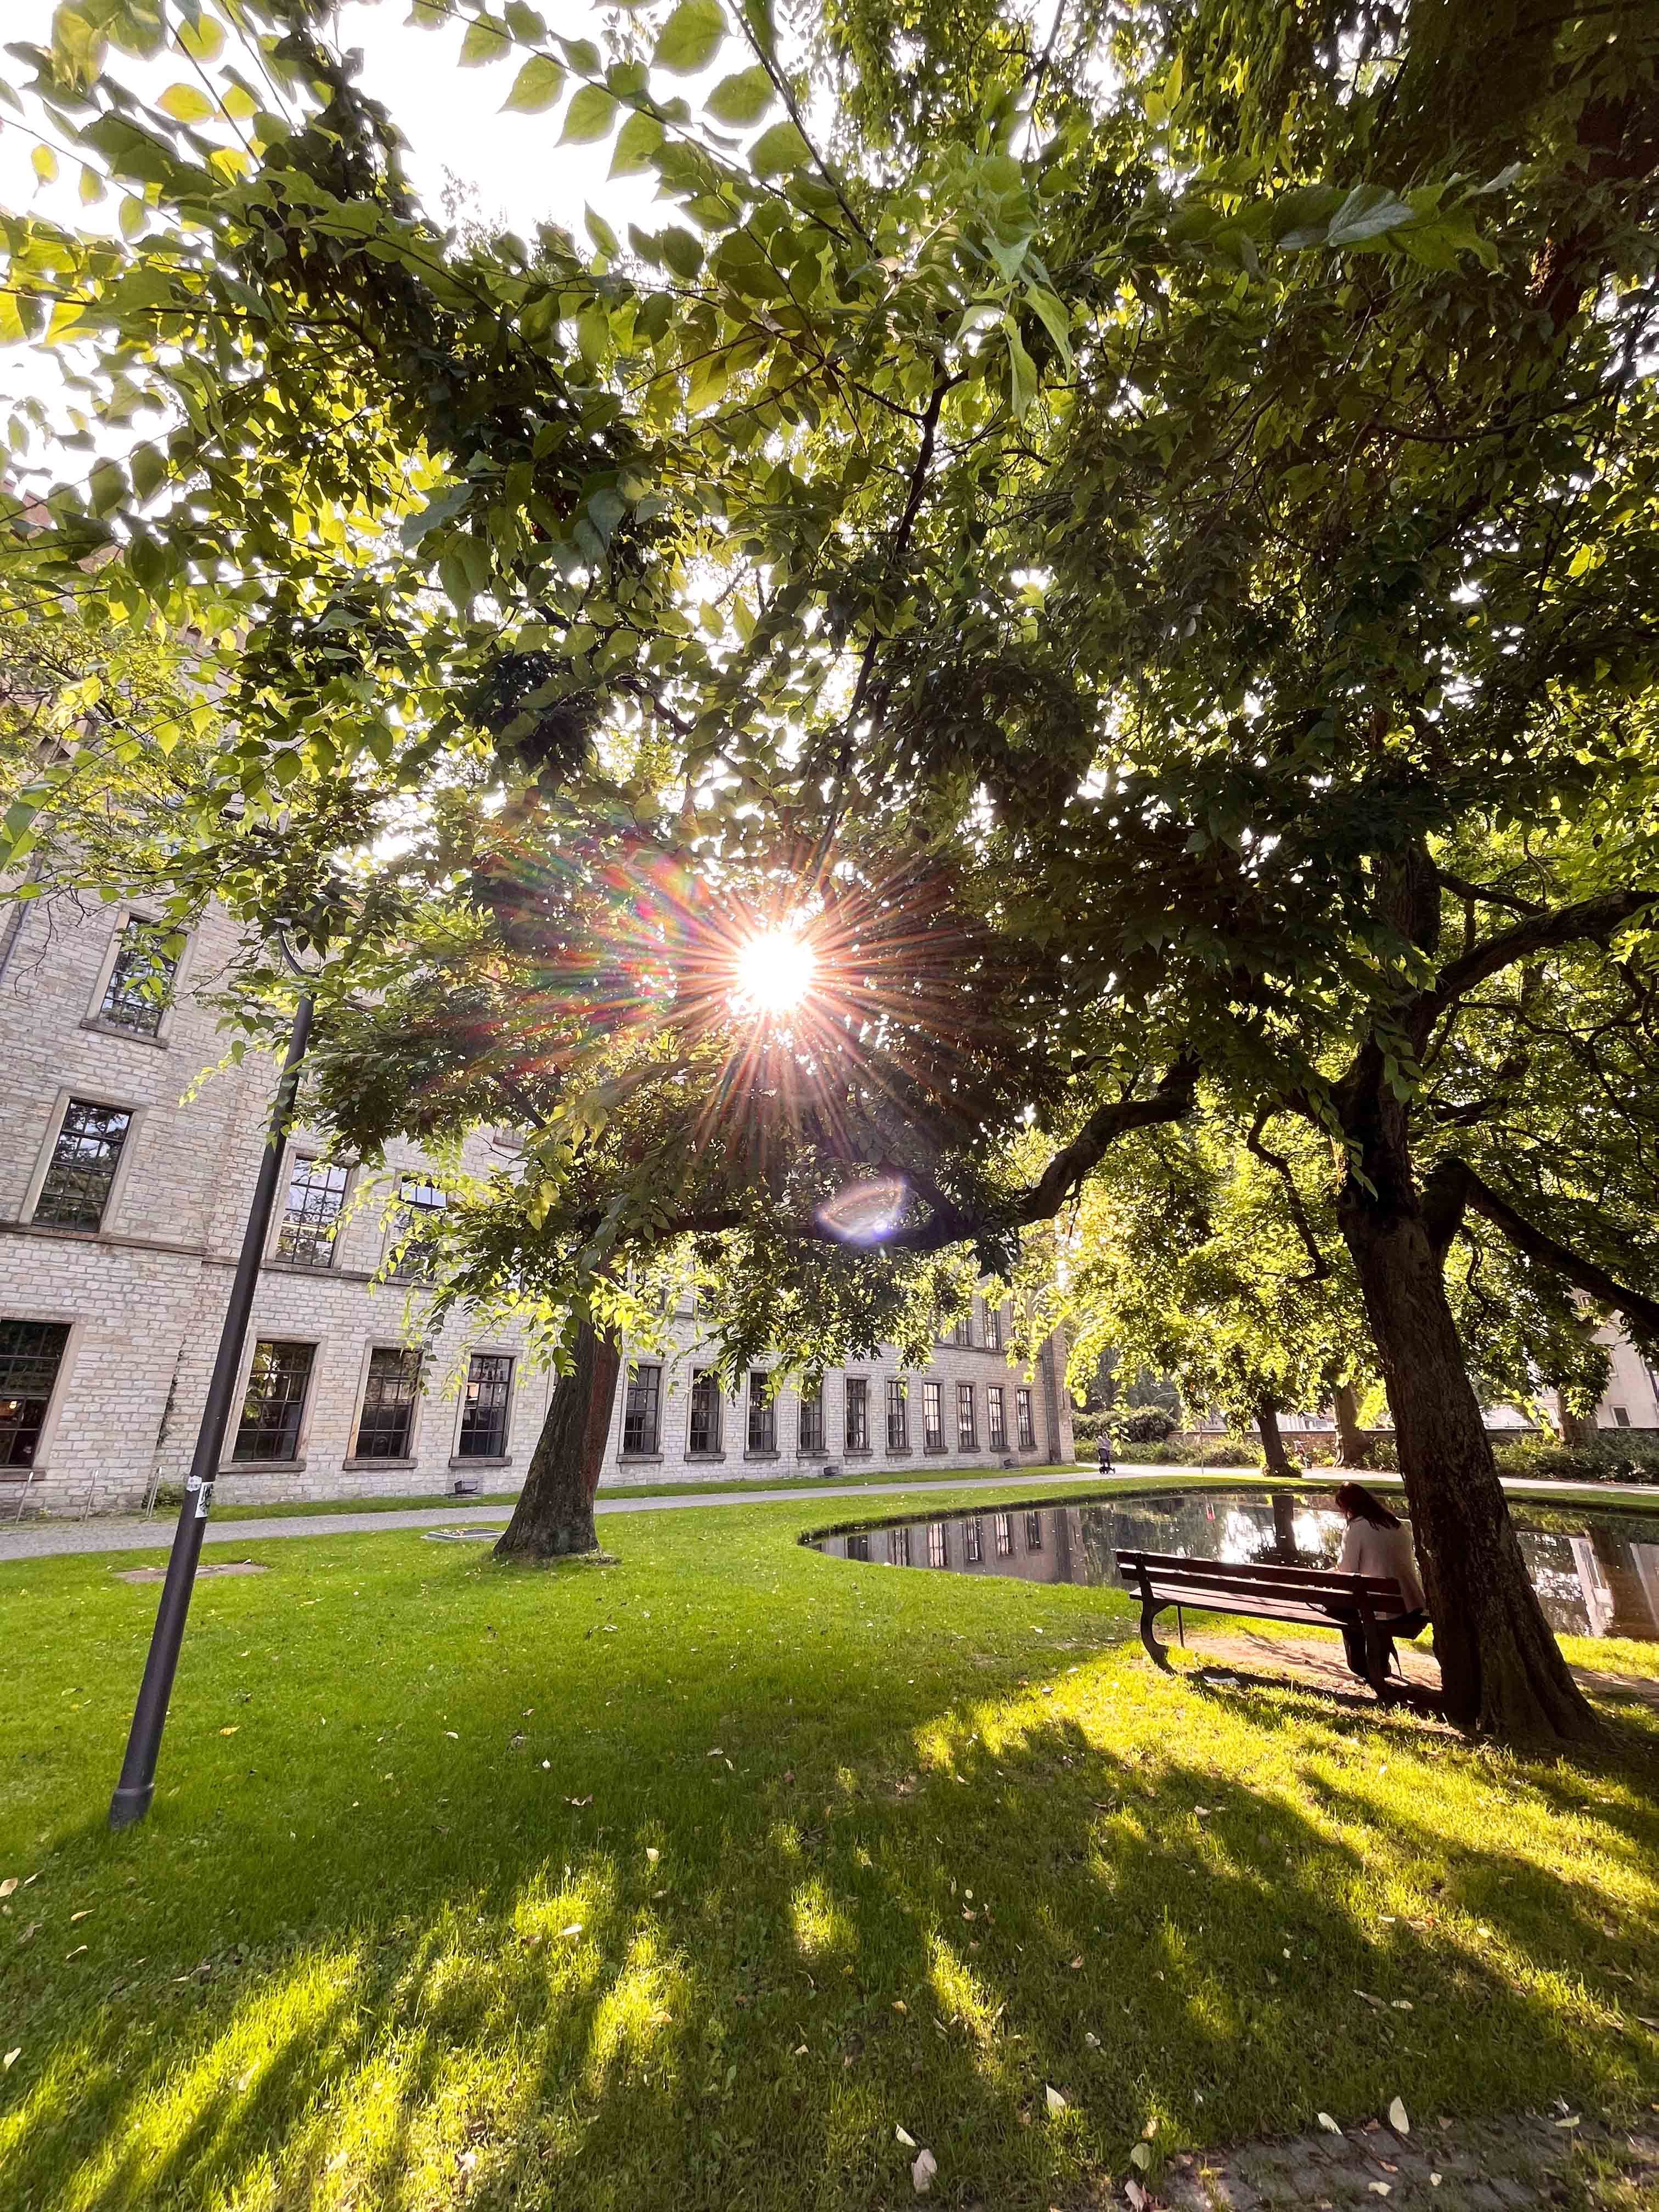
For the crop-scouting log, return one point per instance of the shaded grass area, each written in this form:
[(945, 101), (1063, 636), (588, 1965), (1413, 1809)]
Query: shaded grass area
[(687, 1880)]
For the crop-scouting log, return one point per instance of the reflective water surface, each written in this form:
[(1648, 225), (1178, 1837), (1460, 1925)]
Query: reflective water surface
[(1596, 1571)]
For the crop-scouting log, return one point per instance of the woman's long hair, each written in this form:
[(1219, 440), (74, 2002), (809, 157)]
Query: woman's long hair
[(1364, 1505)]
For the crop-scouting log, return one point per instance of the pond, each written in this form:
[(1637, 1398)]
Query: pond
[(1596, 1571)]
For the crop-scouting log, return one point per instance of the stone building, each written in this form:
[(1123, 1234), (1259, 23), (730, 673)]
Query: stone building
[(125, 1174)]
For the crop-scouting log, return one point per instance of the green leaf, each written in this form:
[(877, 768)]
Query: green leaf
[(682, 252), (781, 148), (637, 141), (537, 87), (185, 103), (690, 37), (743, 97), (601, 233), (486, 40), (589, 117), (203, 40), (1368, 212)]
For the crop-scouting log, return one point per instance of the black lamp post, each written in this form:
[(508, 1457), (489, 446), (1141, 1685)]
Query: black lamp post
[(137, 1787)]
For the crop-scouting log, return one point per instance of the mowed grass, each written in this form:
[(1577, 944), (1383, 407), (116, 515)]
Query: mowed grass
[(689, 1881)]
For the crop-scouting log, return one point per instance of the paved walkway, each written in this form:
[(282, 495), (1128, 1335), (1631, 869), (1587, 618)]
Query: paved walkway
[(37, 1540), (1464, 2166)]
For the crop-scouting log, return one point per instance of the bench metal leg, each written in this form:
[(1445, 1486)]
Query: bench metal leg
[(1155, 1650)]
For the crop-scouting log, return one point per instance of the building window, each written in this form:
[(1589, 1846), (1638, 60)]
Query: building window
[(276, 1400), (965, 1330), (973, 1541), (858, 1413), (31, 1353), (932, 1417), (385, 1427), (966, 1439), (140, 985), (898, 1415), (1034, 1532), (812, 1420), (84, 1159), (316, 1195), (1004, 1529), (703, 1434), (639, 1413), (937, 1554), (898, 1547), (762, 1412), (1022, 1415), (484, 1408), (992, 1327), (996, 1421), (420, 1211)]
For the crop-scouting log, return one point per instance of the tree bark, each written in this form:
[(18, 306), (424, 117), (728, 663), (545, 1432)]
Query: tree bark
[(1273, 1445), (553, 1516), (1500, 1667), (1353, 1443)]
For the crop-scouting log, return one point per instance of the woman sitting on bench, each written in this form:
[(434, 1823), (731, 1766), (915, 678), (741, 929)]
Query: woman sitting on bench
[(1378, 1543)]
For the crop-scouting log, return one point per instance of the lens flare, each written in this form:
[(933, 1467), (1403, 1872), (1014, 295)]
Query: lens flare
[(775, 971)]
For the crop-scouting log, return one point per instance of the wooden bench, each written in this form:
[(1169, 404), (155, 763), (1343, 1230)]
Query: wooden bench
[(1318, 1596)]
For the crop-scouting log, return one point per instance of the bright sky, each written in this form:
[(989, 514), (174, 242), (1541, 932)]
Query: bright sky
[(452, 117)]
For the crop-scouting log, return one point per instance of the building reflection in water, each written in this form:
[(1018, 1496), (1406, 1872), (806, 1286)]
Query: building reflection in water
[(1597, 1573)]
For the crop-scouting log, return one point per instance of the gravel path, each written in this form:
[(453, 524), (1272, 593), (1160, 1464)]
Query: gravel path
[(39, 1539)]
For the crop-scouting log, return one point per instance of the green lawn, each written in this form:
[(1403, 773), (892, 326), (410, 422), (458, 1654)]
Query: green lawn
[(687, 1881)]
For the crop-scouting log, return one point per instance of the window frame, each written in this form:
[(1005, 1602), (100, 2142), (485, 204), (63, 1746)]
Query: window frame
[(356, 1457), (996, 1417), (764, 1444), (1025, 1418), (898, 1413), (401, 1240), (230, 1463), (636, 1371), (932, 1401), (27, 1471), (811, 1402), (464, 1459), (705, 1386), (855, 1392), (298, 1155), (96, 1018), (73, 1095), (968, 1437)]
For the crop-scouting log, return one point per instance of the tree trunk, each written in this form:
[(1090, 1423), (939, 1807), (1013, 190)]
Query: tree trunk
[(1353, 1444), (1285, 1551), (553, 1516), (1500, 1667), (1273, 1445)]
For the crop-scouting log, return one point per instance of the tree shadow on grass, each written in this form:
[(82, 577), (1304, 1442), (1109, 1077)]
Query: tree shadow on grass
[(875, 1902)]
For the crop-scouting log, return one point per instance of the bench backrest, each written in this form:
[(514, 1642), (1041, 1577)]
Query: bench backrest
[(1264, 1576)]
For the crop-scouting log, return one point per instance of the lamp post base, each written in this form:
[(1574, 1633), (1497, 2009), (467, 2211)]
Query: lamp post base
[(128, 1806)]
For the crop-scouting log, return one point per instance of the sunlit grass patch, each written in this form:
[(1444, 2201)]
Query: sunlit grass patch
[(699, 1876)]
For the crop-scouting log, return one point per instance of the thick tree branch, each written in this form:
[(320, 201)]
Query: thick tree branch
[(1319, 1268), (1454, 1188), (1591, 918)]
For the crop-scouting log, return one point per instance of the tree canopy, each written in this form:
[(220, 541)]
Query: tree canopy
[(1141, 546)]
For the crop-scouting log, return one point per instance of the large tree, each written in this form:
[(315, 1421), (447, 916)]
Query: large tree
[(1177, 502)]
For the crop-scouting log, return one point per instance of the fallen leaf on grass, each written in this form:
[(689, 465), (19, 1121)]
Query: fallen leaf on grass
[(1397, 2120), (923, 2172)]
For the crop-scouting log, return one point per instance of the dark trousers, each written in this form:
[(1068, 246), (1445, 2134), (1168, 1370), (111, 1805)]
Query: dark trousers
[(1353, 1641)]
